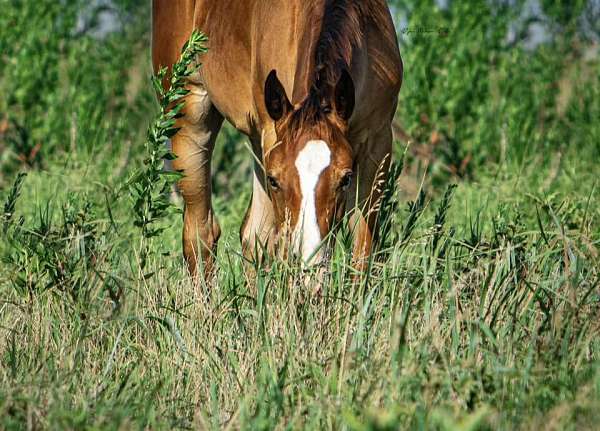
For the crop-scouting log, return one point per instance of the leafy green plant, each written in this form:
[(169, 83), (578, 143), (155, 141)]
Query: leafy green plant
[(150, 186)]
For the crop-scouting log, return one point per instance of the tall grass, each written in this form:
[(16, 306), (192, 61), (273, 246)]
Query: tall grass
[(479, 312)]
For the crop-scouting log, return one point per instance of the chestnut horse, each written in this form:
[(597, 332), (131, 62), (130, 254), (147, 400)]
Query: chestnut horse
[(314, 85)]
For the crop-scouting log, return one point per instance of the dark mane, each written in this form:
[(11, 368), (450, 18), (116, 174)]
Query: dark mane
[(310, 114), (341, 31), (341, 23), (332, 31)]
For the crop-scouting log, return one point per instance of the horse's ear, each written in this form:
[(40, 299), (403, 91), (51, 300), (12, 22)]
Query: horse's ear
[(276, 100), (344, 96)]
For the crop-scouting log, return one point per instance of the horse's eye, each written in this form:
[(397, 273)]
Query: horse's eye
[(273, 183), (346, 181)]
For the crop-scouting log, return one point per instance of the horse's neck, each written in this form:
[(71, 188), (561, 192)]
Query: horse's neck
[(307, 27)]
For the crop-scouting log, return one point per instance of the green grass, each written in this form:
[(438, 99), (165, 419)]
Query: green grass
[(482, 310), (497, 327)]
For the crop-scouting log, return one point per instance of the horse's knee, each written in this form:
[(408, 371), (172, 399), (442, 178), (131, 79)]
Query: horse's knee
[(198, 106)]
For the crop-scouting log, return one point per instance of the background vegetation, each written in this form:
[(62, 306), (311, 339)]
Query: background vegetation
[(482, 311)]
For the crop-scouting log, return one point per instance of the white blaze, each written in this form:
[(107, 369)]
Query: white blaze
[(314, 158)]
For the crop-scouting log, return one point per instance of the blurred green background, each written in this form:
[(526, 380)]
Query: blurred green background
[(485, 82)]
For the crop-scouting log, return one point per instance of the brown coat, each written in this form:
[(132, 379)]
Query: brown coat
[(300, 40)]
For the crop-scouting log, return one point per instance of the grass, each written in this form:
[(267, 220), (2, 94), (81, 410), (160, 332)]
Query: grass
[(495, 327), (480, 312)]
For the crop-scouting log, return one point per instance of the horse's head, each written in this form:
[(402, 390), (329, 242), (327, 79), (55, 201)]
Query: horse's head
[(310, 168)]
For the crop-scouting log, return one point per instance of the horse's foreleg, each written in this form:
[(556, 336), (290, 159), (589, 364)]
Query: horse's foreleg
[(193, 145), (257, 232), (372, 171)]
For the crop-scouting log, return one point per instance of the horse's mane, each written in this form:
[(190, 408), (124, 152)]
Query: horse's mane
[(340, 26), (341, 30)]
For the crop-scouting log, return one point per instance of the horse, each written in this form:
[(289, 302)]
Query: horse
[(314, 85)]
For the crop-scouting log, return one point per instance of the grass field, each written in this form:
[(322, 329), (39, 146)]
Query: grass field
[(482, 310)]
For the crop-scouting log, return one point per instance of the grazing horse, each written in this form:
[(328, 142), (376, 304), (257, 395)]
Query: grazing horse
[(314, 85)]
